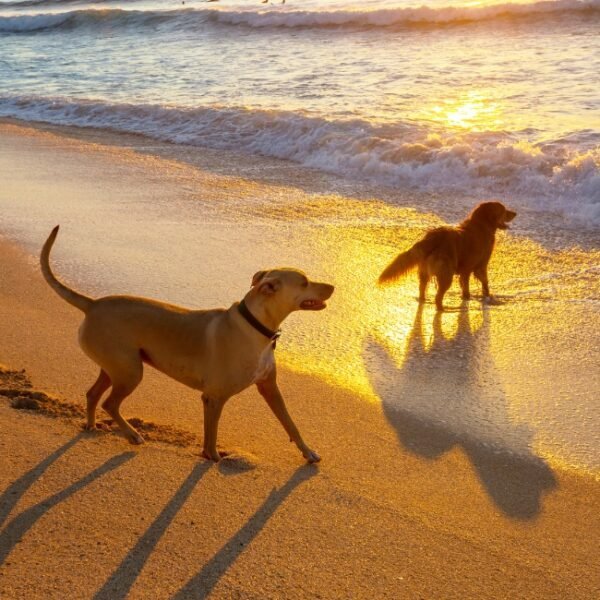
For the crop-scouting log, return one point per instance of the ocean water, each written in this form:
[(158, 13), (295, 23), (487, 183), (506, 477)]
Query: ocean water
[(476, 98)]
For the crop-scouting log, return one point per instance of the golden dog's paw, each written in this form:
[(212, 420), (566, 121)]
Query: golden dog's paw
[(492, 301)]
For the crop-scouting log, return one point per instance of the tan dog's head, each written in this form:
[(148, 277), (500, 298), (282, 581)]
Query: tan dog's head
[(287, 290), (493, 214)]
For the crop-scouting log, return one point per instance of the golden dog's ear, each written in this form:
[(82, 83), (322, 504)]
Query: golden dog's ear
[(269, 286), (257, 277)]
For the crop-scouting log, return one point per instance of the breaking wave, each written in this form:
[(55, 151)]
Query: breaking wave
[(562, 175), (282, 17)]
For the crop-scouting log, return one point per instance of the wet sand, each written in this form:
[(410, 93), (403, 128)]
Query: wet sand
[(417, 495)]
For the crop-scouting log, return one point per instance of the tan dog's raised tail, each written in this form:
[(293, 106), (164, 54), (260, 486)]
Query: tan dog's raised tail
[(220, 352), (447, 251)]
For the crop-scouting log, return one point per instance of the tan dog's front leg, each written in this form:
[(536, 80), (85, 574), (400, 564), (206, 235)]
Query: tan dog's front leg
[(212, 413), (270, 392)]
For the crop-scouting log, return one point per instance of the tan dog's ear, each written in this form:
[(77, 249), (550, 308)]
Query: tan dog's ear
[(269, 286), (257, 277)]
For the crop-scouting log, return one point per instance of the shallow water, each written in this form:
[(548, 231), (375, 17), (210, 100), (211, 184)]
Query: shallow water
[(476, 98)]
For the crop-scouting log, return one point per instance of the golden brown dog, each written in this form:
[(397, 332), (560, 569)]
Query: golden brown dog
[(447, 251), (220, 352)]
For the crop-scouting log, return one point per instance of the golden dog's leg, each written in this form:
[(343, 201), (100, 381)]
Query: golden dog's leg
[(269, 390), (464, 284), (423, 281), (444, 280), (481, 274), (213, 408), (93, 397)]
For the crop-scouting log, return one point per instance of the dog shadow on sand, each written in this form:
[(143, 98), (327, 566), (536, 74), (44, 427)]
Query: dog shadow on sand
[(13, 530), (447, 393), (120, 582)]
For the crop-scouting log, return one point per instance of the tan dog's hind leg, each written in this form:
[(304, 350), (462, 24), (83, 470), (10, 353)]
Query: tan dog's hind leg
[(270, 392), (213, 408), (125, 376), (93, 397)]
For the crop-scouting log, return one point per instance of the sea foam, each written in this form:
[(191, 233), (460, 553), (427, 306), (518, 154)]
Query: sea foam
[(559, 176)]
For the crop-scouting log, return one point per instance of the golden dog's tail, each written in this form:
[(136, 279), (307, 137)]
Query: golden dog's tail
[(402, 264), (71, 296)]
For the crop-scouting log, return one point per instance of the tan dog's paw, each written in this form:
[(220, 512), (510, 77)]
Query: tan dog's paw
[(214, 456), (96, 427), (135, 438), (311, 456)]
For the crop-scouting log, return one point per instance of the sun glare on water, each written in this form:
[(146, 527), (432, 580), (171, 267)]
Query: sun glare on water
[(474, 111)]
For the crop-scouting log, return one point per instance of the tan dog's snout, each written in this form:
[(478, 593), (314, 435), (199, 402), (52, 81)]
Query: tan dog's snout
[(322, 291), (292, 288), (326, 290)]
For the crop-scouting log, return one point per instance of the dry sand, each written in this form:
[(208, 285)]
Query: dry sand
[(87, 516)]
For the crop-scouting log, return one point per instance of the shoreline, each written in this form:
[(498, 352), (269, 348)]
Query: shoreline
[(439, 519), (555, 232)]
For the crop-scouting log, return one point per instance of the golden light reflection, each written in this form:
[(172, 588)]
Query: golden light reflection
[(474, 110)]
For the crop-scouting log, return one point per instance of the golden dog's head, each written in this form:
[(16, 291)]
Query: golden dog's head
[(493, 214), (291, 289)]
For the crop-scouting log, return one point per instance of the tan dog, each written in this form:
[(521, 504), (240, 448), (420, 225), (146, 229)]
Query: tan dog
[(220, 352), (447, 251)]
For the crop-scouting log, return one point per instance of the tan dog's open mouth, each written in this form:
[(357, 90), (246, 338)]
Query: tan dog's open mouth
[(313, 305)]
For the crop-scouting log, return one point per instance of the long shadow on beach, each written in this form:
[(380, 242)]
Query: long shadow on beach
[(447, 393), (201, 585), (22, 523), (15, 491), (119, 584)]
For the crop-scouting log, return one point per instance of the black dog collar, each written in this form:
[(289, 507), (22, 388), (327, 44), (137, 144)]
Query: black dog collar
[(272, 335)]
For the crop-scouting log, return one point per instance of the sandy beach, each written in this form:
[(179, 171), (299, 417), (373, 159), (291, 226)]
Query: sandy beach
[(460, 453)]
